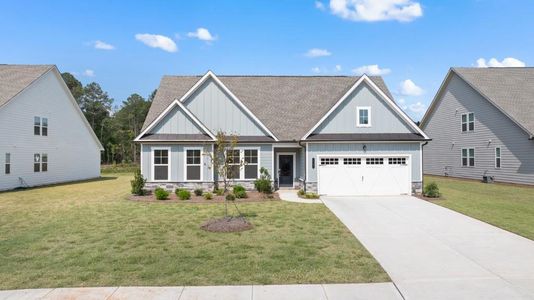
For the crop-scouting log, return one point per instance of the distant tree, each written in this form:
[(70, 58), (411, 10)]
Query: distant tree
[(152, 95), (74, 85)]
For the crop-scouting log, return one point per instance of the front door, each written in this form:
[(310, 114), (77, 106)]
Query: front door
[(285, 170)]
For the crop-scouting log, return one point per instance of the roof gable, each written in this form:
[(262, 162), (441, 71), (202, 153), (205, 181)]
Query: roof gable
[(176, 122), (15, 78)]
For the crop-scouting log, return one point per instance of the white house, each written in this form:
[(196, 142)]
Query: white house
[(44, 136)]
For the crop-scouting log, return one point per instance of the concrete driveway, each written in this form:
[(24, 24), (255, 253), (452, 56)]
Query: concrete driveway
[(432, 252)]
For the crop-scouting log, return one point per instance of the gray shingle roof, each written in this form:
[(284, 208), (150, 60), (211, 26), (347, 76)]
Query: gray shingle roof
[(289, 106), (510, 89), (15, 78)]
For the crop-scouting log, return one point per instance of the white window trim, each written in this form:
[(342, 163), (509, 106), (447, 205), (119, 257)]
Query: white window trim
[(500, 157), (358, 109), (242, 158), (468, 158), (152, 165), (201, 164), (294, 165), (467, 122)]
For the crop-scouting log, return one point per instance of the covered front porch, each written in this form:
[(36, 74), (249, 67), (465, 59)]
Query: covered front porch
[(288, 166)]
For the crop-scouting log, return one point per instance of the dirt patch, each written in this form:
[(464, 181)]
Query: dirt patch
[(253, 196), (228, 224)]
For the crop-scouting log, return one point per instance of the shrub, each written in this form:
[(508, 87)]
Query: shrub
[(431, 190), (240, 194), (263, 184), (238, 188), (161, 194), (219, 192), (311, 196), (208, 196), (230, 197), (138, 183), (301, 192), (199, 192), (183, 194)]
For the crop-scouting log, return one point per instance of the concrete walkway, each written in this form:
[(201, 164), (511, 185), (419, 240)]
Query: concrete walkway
[(291, 196), (378, 291), (432, 252)]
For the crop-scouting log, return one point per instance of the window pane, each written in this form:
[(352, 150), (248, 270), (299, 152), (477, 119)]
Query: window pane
[(36, 121), (193, 157), (251, 171), (36, 167), (44, 167), (37, 158), (161, 173), (44, 131), (464, 118), (464, 152), (498, 152), (193, 172), (45, 122), (8, 169), (471, 152), (471, 117), (471, 126), (251, 156), (464, 161), (45, 157), (464, 127), (471, 162), (36, 130), (233, 172), (498, 162), (232, 156), (8, 158), (364, 117)]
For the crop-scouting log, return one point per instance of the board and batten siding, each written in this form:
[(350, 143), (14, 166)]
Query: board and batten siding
[(315, 149), (177, 159), (492, 129), (383, 118), (219, 112), (177, 122), (73, 153)]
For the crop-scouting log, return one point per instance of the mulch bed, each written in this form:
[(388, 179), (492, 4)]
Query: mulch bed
[(228, 224), (253, 196), (420, 196)]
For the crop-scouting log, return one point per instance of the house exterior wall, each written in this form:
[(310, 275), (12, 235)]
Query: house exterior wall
[(492, 129), (315, 149), (177, 122), (383, 118), (73, 153), (219, 112)]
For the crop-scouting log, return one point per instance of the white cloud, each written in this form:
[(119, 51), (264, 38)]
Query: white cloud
[(402, 103), (409, 88), (371, 70), (319, 5), (202, 34), (89, 73), (316, 70), (493, 62), (316, 52), (417, 108), (103, 45), (376, 10), (338, 68), (157, 41)]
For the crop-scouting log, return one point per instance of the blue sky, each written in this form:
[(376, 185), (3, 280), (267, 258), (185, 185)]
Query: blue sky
[(412, 42)]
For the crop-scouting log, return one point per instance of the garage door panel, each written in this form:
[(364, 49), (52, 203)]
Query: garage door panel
[(377, 175)]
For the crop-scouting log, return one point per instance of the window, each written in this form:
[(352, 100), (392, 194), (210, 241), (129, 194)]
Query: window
[(468, 122), (363, 117), (234, 161), (7, 163), (397, 160), (37, 162), (468, 157), (352, 161), (251, 163), (498, 157), (161, 164), (36, 125), (374, 161), (44, 162), (329, 161), (44, 127), (193, 163)]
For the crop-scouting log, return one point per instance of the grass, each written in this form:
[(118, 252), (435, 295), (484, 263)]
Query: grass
[(88, 234), (128, 168), (510, 207)]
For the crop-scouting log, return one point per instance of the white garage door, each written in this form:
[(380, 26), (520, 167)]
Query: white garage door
[(362, 176)]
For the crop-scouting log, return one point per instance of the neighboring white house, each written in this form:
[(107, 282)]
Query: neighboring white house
[(44, 136)]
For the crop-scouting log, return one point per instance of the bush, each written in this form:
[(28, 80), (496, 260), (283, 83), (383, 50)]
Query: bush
[(138, 183), (301, 193), (230, 197), (208, 196), (183, 194), (219, 192), (431, 190), (161, 194), (240, 194), (263, 184), (311, 196), (239, 188), (199, 192)]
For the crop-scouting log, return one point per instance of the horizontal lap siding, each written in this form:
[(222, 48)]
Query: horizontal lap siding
[(357, 149), (492, 129)]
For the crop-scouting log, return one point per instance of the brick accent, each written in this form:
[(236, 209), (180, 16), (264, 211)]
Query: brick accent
[(311, 187), (417, 187)]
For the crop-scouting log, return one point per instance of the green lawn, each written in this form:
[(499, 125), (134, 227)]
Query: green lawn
[(506, 206), (88, 234)]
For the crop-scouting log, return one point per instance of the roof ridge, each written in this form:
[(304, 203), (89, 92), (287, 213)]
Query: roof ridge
[(278, 76)]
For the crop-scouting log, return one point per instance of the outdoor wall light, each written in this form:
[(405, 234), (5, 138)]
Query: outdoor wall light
[(313, 163), (364, 148)]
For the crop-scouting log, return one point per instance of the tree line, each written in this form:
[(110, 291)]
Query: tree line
[(115, 127)]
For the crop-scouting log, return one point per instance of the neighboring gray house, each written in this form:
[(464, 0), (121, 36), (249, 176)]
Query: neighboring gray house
[(336, 135), (44, 136), (482, 124)]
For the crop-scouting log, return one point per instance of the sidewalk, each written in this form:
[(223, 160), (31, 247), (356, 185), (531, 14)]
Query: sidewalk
[(376, 291), (291, 196)]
